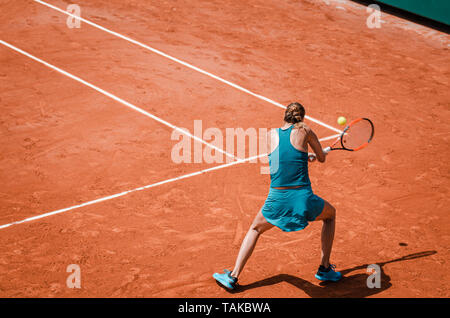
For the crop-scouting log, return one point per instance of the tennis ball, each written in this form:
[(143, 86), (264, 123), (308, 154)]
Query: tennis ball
[(342, 121)]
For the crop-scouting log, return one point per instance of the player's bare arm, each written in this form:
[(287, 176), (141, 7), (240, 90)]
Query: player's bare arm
[(314, 142)]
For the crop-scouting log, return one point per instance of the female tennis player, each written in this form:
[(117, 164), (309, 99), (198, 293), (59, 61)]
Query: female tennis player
[(291, 203)]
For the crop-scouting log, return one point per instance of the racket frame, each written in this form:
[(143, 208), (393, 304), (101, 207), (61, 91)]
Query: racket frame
[(340, 138)]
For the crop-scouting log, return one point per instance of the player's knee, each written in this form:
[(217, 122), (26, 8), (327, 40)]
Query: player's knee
[(331, 213), (258, 228)]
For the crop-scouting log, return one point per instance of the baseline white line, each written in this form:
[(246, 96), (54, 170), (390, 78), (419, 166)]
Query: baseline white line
[(37, 217), (140, 110), (126, 38)]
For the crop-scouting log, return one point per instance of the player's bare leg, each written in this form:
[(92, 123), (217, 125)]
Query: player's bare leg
[(259, 226), (326, 271), (328, 216)]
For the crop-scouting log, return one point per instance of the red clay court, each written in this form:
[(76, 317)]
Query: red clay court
[(87, 179)]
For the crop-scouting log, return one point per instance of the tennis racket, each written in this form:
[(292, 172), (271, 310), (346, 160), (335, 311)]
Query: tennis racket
[(355, 136)]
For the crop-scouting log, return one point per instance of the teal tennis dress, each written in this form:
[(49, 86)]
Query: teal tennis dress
[(290, 209)]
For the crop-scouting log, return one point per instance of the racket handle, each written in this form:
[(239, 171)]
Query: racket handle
[(326, 150)]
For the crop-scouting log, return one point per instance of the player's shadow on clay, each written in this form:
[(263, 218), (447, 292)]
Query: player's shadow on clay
[(353, 286)]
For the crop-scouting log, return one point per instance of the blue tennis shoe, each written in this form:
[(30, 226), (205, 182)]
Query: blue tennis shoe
[(225, 279), (328, 274)]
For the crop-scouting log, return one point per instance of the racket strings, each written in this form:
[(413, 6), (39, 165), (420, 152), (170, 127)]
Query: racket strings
[(358, 134)]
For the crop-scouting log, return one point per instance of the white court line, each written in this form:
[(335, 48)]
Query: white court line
[(183, 63), (117, 195), (140, 110), (330, 137)]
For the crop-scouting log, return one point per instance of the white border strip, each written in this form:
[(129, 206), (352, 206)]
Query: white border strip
[(183, 63), (116, 98), (117, 195)]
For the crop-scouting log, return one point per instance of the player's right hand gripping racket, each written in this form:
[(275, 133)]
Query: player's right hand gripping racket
[(355, 136)]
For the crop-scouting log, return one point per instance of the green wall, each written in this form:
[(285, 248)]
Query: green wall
[(438, 10)]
